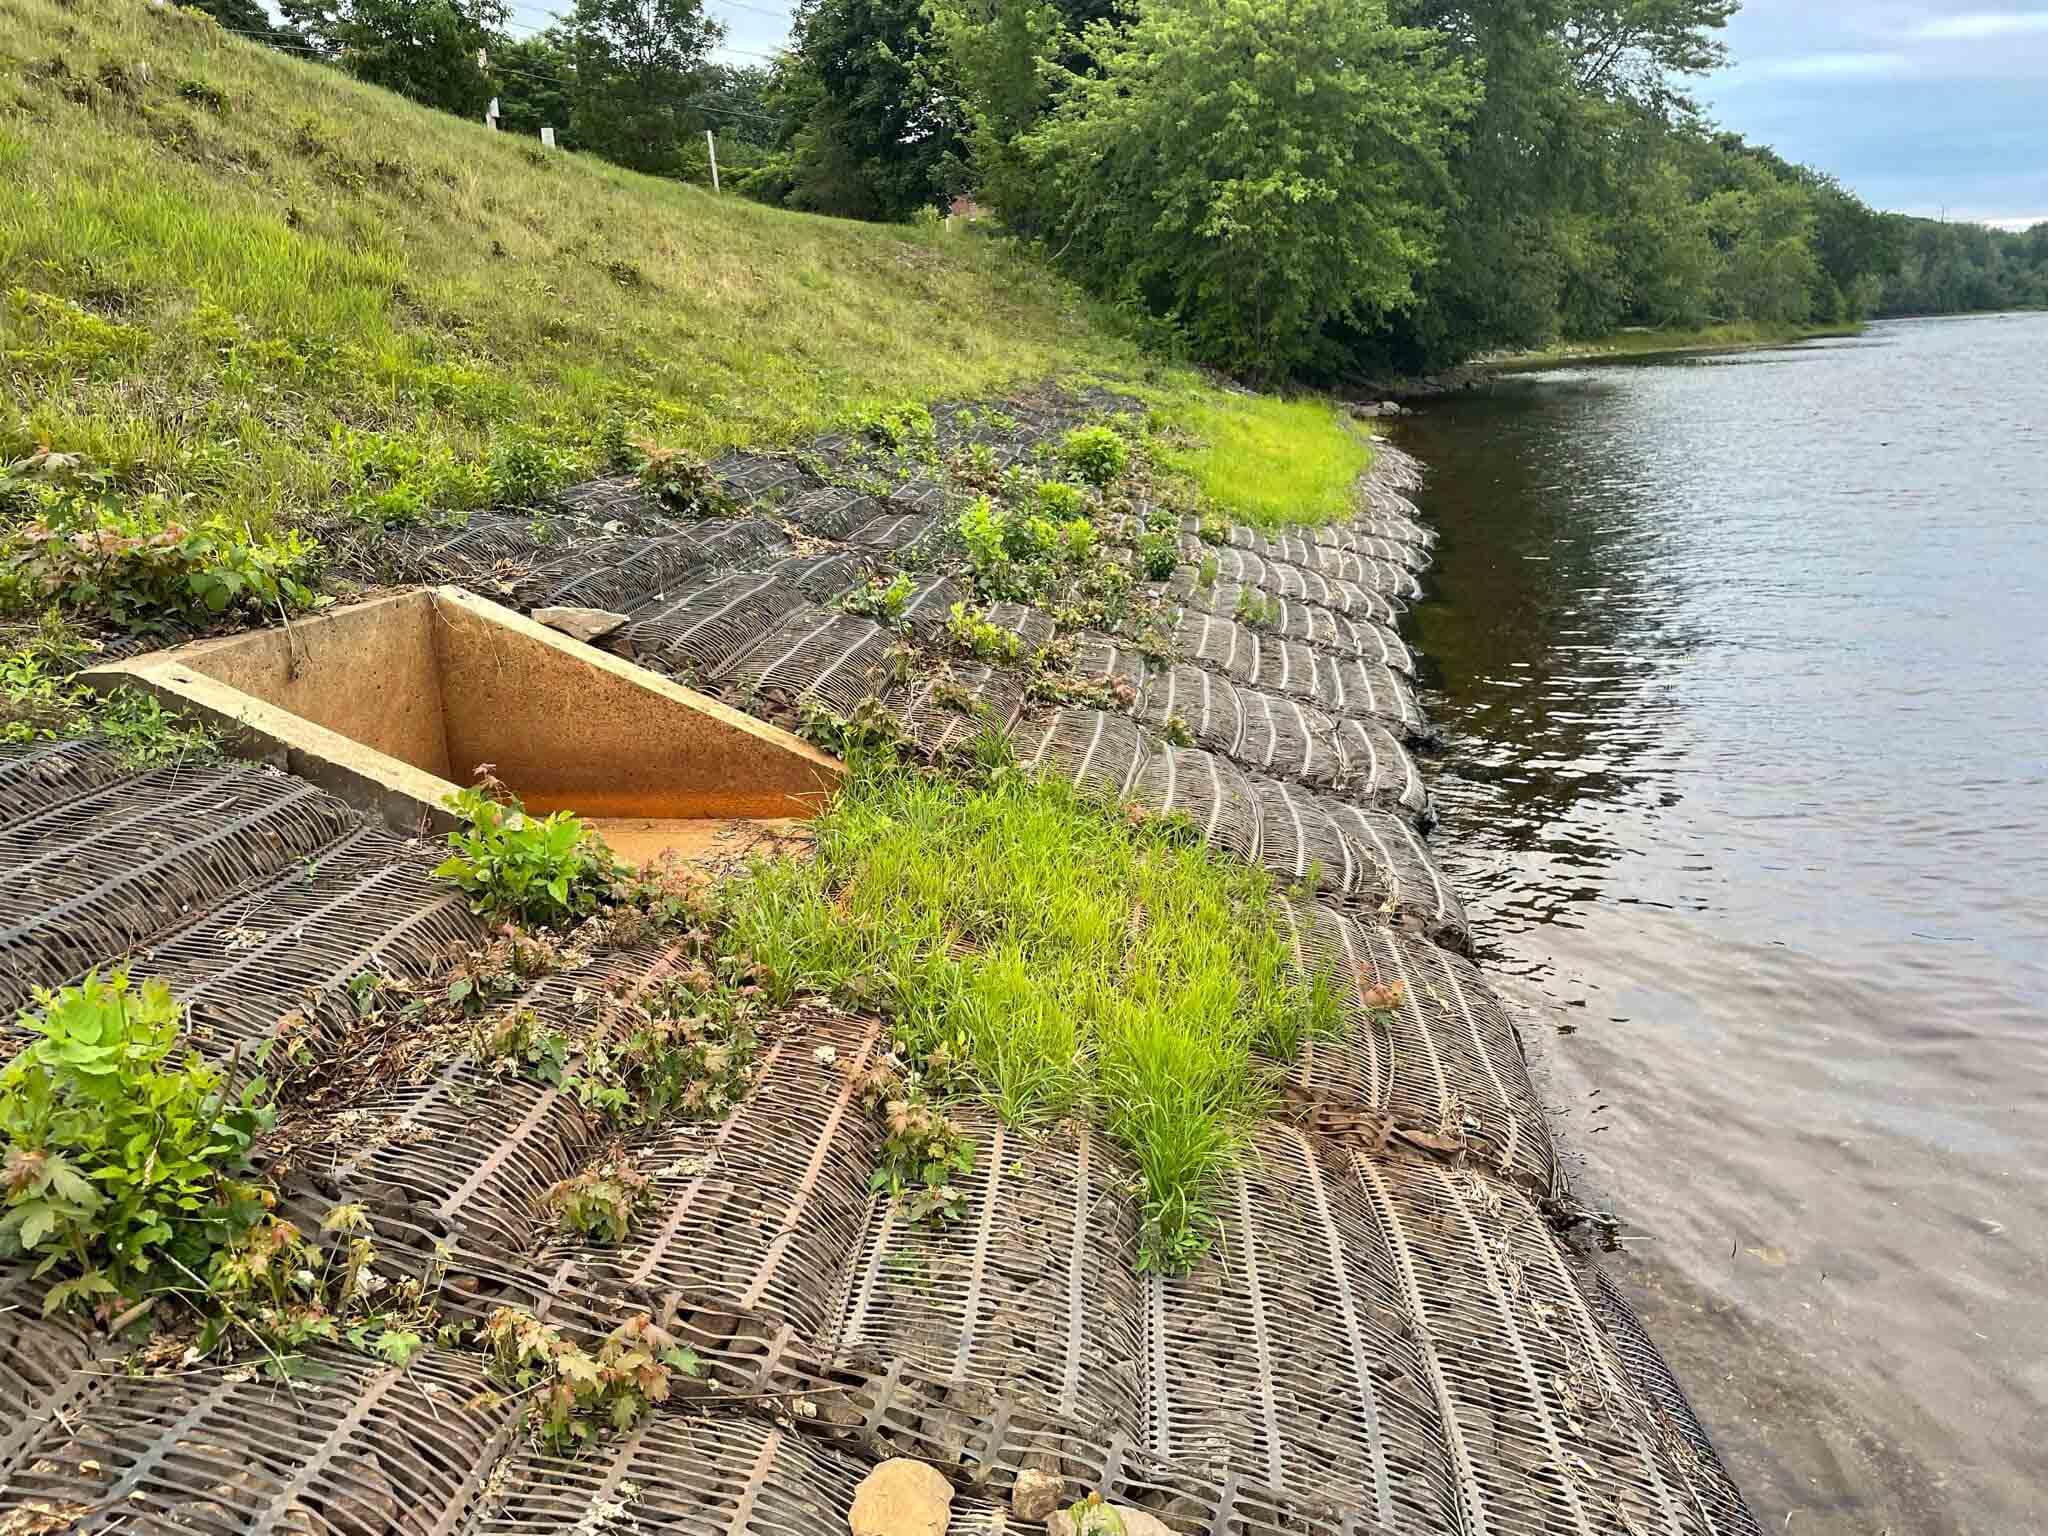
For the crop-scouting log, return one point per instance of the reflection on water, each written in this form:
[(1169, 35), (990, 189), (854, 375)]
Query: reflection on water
[(1743, 667)]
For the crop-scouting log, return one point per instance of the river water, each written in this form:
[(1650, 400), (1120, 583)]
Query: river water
[(1743, 663)]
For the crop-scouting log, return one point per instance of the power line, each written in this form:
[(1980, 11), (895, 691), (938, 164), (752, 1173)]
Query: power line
[(758, 10)]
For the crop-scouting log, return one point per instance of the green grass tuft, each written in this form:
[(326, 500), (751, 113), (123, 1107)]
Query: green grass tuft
[(1061, 958), (1269, 462)]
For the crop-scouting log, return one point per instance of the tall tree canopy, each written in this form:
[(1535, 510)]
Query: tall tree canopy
[(638, 66), (426, 49)]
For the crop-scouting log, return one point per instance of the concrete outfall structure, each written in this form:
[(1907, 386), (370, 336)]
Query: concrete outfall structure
[(394, 703)]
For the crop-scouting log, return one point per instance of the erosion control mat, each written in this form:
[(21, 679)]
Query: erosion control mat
[(1387, 1335)]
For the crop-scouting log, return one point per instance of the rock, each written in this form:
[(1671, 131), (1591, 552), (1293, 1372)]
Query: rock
[(587, 624), (1037, 1494), (1106, 1520), (901, 1498)]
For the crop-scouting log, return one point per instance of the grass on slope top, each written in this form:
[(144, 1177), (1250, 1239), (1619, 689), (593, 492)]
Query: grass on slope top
[(1269, 461), (230, 272)]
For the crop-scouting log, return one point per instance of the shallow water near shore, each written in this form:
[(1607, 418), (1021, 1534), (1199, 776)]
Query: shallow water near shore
[(1743, 663)]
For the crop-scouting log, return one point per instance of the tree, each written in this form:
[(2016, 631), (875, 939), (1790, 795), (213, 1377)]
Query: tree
[(1254, 169), (246, 16), (736, 98), (425, 49), (873, 131), (534, 79), (638, 64)]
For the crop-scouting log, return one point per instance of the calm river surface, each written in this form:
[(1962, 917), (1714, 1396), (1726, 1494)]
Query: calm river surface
[(1744, 666)]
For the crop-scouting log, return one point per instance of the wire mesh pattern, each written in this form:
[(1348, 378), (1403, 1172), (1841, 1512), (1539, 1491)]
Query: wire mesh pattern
[(1446, 1062), (764, 1207), (36, 776), (1343, 564), (928, 497), (1284, 1354), (1208, 790), (819, 577), (1103, 659), (1378, 770), (1101, 753), (1290, 739), (830, 512), (1422, 901), (1547, 1433), (931, 710), (1338, 635), (699, 630), (471, 1149), (1033, 1291), (275, 961), (1339, 684), (812, 656), (894, 531), (929, 608), (1679, 1428), (1236, 569), (42, 1361), (1034, 626), (1206, 705), (758, 476), (618, 578), (1360, 688), (674, 1472), (84, 880), (361, 1450), (612, 499), (1218, 644)]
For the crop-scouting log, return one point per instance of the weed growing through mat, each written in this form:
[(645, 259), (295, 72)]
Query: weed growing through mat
[(603, 1202), (1066, 957), (546, 870), (580, 1396)]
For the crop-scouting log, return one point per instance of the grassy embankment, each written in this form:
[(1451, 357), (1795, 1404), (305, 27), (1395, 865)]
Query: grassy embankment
[(245, 291), (1734, 336)]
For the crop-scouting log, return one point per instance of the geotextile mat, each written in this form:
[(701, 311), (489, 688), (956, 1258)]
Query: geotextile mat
[(1388, 1334)]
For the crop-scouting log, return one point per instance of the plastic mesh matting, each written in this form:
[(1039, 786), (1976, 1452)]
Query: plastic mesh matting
[(930, 711), (1547, 1433), (1420, 899), (42, 1364), (758, 476), (612, 498), (764, 1207), (697, 631), (812, 655), (1101, 753), (831, 512), (1447, 1063), (933, 498), (929, 607), (472, 1147), (1679, 1428), (1287, 1356), (1378, 770), (894, 532), (277, 959), (1234, 570), (1367, 859), (1210, 791), (820, 577), (1289, 739), (35, 777), (84, 880), (1208, 706), (348, 1448), (1033, 1290)]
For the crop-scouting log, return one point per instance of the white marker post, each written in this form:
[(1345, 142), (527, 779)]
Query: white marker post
[(547, 137), (712, 145)]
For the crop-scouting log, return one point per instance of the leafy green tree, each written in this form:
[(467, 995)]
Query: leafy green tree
[(638, 64), (873, 131), (425, 49), (534, 79), (735, 98), (1254, 169), (245, 16), (1003, 54)]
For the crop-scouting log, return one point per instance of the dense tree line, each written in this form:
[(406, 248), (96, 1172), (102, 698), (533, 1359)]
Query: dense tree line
[(1305, 187), (1946, 268)]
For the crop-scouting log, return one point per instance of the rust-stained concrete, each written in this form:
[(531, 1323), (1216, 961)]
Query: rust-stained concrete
[(391, 703)]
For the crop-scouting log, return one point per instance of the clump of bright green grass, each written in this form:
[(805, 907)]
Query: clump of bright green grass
[(1064, 957), (1267, 461), (280, 291)]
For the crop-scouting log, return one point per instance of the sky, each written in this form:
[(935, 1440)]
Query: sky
[(1934, 107)]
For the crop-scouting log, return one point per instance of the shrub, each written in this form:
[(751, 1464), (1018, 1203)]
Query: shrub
[(981, 639), (1096, 454), (131, 1168), (1158, 555), (602, 1202), (524, 471), (140, 567), (1060, 501), (879, 600), (547, 870), (579, 1395)]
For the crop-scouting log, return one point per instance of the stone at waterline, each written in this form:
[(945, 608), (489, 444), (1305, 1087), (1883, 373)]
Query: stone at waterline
[(1037, 1494), (586, 624), (901, 1498)]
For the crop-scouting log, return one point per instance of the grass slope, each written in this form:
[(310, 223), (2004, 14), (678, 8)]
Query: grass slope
[(230, 273), (1271, 462)]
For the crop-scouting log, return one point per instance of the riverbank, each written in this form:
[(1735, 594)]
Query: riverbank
[(1644, 344)]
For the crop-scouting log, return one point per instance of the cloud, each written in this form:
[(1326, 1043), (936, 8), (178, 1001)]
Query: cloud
[(1978, 25), (1806, 66)]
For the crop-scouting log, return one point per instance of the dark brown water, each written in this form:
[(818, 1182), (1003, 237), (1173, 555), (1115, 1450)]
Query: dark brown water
[(1744, 665)]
